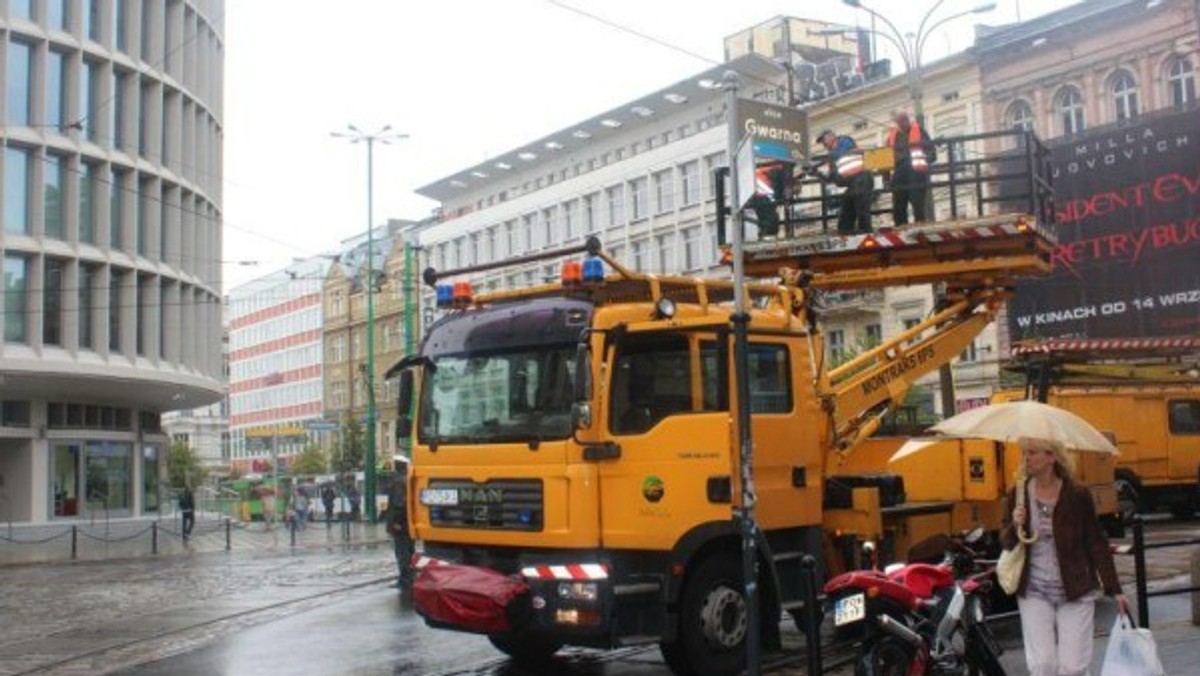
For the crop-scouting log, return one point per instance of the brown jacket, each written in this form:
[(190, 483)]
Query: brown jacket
[(1079, 542)]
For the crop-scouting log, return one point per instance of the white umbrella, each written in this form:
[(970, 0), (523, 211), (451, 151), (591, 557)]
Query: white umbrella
[(1015, 419)]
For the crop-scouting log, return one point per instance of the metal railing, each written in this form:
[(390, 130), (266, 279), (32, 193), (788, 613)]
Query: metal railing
[(982, 174), (1138, 551)]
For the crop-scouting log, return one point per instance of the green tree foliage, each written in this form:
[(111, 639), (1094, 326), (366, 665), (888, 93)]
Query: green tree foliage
[(183, 466), (310, 461), (351, 448)]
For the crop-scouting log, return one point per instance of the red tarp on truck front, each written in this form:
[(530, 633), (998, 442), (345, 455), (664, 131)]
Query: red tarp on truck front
[(466, 597)]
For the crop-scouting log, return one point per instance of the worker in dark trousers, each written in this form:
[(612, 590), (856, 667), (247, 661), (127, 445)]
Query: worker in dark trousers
[(397, 525), (845, 167), (914, 153)]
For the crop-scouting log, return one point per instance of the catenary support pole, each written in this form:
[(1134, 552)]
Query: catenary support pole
[(741, 319)]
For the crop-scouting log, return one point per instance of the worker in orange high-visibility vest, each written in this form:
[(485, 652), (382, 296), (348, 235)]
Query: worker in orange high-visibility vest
[(845, 166), (910, 179), (770, 191)]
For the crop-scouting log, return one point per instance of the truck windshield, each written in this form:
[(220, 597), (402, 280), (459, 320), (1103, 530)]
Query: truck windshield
[(517, 395)]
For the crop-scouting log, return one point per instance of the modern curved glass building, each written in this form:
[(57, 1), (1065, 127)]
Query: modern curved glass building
[(110, 247)]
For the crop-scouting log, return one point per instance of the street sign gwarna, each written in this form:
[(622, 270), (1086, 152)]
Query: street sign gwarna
[(778, 132)]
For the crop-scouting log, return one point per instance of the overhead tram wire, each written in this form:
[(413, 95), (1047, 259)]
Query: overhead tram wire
[(663, 43)]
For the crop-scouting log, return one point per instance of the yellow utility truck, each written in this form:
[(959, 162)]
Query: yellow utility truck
[(1144, 392), (575, 455)]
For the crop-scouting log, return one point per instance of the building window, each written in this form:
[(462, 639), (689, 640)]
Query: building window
[(107, 476), (570, 219), (52, 300), (510, 238), (89, 99), (16, 190), (90, 19), (87, 204), (119, 36), (641, 255), (87, 306), (689, 179), (711, 164), (662, 245), (53, 177), (874, 335), (1019, 115), (18, 80), (1125, 96), (691, 248), (1181, 81), (150, 478), (971, 354), (119, 81), (116, 209), (1069, 105), (21, 9), (527, 228), (837, 346), (616, 205), (549, 236), (639, 188), (116, 280), (16, 298), (589, 213), (664, 191), (56, 64)]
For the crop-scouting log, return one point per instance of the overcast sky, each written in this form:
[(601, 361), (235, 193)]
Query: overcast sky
[(467, 80)]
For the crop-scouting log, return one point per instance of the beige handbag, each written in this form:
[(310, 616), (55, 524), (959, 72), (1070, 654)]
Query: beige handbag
[(1012, 561)]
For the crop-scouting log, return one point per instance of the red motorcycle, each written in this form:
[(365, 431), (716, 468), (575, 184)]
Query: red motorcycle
[(920, 618)]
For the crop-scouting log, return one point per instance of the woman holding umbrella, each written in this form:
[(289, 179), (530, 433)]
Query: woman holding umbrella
[(1067, 559)]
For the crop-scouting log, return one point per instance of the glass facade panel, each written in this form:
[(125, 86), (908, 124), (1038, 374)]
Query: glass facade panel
[(16, 190), (88, 81), (107, 476), (87, 204), (52, 302), (18, 83), (116, 211), (16, 298), (151, 498), (87, 313), (53, 177), (56, 65), (22, 9), (56, 14), (67, 461)]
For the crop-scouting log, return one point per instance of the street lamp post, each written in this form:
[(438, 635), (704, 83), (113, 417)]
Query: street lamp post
[(911, 46), (384, 136)]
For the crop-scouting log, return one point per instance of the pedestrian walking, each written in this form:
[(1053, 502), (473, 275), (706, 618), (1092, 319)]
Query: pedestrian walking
[(846, 167), (397, 524), (299, 508), (327, 499), (187, 508), (914, 153), (1066, 562), (355, 499)]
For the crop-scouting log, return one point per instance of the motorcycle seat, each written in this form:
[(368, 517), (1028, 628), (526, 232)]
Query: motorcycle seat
[(923, 579)]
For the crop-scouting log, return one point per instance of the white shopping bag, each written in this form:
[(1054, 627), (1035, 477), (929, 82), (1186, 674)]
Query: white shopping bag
[(1131, 651)]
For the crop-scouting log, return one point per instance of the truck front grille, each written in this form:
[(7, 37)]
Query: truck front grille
[(508, 504)]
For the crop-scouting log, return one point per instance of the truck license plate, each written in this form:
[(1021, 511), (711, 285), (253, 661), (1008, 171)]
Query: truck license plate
[(849, 609), (439, 497)]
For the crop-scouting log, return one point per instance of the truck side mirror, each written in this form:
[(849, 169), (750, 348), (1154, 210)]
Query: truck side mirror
[(404, 405), (581, 407)]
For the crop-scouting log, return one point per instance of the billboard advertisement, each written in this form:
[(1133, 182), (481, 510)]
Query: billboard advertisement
[(1128, 256)]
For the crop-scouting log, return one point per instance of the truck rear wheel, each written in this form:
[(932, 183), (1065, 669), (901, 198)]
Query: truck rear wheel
[(713, 620), (526, 650)]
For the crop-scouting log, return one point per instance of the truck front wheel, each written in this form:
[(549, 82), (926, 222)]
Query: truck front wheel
[(712, 622), (526, 650)]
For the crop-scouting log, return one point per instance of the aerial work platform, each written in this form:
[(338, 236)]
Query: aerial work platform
[(995, 250)]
